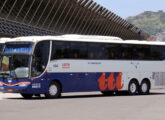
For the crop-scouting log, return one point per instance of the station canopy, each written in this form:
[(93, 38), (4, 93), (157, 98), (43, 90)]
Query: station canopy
[(55, 17)]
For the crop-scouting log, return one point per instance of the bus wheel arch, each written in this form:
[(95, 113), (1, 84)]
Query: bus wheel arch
[(54, 89), (145, 86), (133, 86)]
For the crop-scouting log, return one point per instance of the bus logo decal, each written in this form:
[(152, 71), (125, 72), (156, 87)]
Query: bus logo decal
[(111, 83), (66, 65)]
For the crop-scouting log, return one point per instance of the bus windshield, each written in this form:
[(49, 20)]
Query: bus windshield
[(1, 47), (16, 66)]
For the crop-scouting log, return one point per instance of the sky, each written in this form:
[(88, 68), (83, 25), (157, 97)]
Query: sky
[(126, 8)]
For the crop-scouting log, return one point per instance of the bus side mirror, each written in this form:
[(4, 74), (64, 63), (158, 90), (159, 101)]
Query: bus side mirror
[(12, 74)]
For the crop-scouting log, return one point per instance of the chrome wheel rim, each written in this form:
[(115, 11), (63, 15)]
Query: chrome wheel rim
[(133, 88), (53, 90), (144, 87)]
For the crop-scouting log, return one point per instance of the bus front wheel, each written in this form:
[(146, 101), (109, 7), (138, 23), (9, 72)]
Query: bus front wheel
[(54, 90)]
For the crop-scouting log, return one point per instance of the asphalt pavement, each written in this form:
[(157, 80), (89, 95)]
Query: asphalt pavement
[(84, 106)]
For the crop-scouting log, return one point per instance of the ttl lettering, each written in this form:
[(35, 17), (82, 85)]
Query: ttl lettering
[(110, 82)]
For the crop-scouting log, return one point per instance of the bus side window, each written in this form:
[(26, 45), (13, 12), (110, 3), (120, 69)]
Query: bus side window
[(74, 50), (60, 50), (147, 52), (127, 52), (158, 53), (112, 51), (155, 53), (78, 50), (83, 51), (142, 52), (40, 58), (91, 55), (139, 53), (162, 51), (95, 51)]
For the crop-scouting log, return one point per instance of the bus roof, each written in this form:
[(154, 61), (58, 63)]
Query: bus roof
[(78, 38), (3, 40), (83, 38)]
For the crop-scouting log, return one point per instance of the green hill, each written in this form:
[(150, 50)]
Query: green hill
[(151, 22)]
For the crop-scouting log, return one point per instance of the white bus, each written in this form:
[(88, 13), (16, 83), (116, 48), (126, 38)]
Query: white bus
[(52, 65)]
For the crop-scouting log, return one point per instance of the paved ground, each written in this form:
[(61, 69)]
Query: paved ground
[(84, 106)]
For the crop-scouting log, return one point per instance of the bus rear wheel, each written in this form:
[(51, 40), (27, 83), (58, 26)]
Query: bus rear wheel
[(144, 88), (27, 96), (54, 91), (133, 87)]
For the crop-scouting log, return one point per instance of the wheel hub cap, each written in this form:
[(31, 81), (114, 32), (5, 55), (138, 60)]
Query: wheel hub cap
[(53, 90), (133, 88), (144, 87)]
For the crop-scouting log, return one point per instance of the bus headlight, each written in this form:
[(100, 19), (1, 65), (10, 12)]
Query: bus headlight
[(24, 84), (1, 84)]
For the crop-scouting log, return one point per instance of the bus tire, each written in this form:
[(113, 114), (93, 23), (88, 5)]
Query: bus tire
[(107, 93), (54, 90), (144, 88), (133, 87), (26, 96)]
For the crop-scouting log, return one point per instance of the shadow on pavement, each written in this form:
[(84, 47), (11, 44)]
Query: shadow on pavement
[(85, 96)]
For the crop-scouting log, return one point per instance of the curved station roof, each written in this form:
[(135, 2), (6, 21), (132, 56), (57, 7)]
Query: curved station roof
[(53, 17)]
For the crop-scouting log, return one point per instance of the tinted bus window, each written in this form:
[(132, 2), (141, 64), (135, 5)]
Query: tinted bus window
[(147, 52), (78, 50), (112, 51), (158, 52), (95, 51), (155, 53), (60, 50), (127, 52), (143, 52), (83, 50), (162, 51)]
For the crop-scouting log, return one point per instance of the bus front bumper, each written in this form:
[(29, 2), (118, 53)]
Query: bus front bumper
[(13, 89)]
